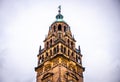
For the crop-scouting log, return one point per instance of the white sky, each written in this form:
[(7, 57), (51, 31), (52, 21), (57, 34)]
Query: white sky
[(94, 23)]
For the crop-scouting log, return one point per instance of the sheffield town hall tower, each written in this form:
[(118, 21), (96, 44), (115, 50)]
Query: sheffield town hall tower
[(59, 60)]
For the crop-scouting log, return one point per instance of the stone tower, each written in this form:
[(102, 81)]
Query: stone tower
[(59, 60)]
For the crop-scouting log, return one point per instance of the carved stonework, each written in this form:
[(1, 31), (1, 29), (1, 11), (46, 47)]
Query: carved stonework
[(47, 67), (47, 77), (40, 71), (55, 61), (64, 62)]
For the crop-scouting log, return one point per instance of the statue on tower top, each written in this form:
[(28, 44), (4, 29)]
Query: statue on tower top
[(59, 9)]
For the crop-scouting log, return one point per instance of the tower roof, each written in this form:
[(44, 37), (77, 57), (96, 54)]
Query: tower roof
[(59, 17)]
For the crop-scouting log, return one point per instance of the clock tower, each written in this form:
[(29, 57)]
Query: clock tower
[(59, 60)]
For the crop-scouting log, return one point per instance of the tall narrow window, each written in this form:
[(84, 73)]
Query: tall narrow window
[(68, 52), (50, 52), (64, 50), (76, 58), (61, 48), (72, 54), (57, 48), (46, 54), (54, 28), (42, 58), (64, 28), (54, 51), (68, 42), (59, 27), (71, 44), (50, 42), (47, 45)]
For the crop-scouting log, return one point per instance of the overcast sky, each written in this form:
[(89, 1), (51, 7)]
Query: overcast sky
[(95, 25)]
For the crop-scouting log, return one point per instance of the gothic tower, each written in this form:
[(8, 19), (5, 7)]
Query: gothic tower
[(59, 60)]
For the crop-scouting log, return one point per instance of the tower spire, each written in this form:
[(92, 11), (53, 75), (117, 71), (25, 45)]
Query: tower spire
[(59, 16), (59, 9)]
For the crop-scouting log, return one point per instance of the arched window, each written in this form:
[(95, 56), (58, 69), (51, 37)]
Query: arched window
[(68, 52), (46, 54), (59, 27), (47, 45), (42, 58), (50, 52), (64, 50), (50, 42), (55, 50), (71, 44), (54, 28), (64, 28), (76, 58), (68, 42), (61, 48), (72, 54)]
